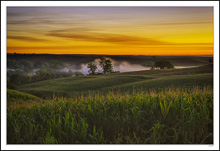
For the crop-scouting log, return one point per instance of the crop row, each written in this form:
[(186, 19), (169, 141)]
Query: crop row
[(173, 116)]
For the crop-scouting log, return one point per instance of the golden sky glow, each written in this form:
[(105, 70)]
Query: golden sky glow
[(110, 30)]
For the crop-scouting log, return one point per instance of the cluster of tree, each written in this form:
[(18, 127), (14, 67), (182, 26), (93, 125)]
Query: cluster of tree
[(16, 78), (56, 64), (106, 65), (15, 71), (40, 64), (22, 64), (28, 66), (162, 64), (22, 71), (46, 75), (53, 64)]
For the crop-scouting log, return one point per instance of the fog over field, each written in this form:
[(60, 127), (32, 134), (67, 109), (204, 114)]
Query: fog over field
[(67, 65), (122, 66)]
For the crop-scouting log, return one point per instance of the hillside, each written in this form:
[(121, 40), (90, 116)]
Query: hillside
[(15, 98), (153, 79)]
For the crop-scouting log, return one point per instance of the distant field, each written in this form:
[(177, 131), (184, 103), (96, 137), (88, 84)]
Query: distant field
[(153, 79)]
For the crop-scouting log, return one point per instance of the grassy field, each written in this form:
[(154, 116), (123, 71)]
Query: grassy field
[(16, 97), (143, 107), (149, 79)]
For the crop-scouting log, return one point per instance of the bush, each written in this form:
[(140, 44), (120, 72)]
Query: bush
[(12, 64), (55, 64), (26, 65), (40, 64), (78, 73)]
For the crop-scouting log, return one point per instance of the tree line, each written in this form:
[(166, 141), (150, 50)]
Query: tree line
[(18, 71), (22, 71), (28, 65)]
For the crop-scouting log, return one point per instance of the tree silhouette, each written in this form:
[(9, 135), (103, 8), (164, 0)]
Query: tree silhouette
[(106, 65), (92, 67), (163, 64)]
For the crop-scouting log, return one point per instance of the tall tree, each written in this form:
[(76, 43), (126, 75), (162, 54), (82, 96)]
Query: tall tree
[(92, 67), (106, 65)]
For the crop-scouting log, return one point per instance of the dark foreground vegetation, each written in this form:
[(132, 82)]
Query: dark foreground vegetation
[(173, 116)]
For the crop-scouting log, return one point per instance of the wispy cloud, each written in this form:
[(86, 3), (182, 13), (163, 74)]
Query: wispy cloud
[(118, 30), (181, 23), (103, 37), (18, 22), (35, 21), (25, 38)]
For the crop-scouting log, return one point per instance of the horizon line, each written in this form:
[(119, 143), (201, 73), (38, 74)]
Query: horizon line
[(108, 54)]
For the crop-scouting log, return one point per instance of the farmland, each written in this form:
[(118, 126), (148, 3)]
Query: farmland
[(171, 116), (110, 74), (170, 106)]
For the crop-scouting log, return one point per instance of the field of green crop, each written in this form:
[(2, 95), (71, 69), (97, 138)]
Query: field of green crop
[(143, 107), (172, 116)]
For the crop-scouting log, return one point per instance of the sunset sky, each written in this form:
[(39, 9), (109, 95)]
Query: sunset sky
[(110, 30)]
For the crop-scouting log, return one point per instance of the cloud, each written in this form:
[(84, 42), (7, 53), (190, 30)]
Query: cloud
[(25, 38), (180, 23), (35, 21), (18, 22), (87, 35)]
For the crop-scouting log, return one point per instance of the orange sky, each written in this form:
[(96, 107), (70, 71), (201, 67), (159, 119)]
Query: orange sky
[(110, 30)]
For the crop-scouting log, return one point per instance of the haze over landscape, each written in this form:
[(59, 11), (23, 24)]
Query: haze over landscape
[(110, 30)]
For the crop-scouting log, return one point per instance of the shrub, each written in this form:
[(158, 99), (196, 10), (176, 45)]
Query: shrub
[(78, 73)]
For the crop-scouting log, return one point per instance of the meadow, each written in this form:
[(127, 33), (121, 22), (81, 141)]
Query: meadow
[(171, 106)]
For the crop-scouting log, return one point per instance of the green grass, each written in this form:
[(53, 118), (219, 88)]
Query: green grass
[(16, 97), (78, 85), (153, 79), (186, 81), (171, 116)]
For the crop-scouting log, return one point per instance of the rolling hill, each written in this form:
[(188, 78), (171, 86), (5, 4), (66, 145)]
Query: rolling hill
[(151, 79)]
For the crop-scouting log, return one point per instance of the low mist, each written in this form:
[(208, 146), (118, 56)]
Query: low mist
[(122, 66)]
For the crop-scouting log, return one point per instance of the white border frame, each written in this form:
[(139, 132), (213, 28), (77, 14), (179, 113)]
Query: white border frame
[(4, 5)]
